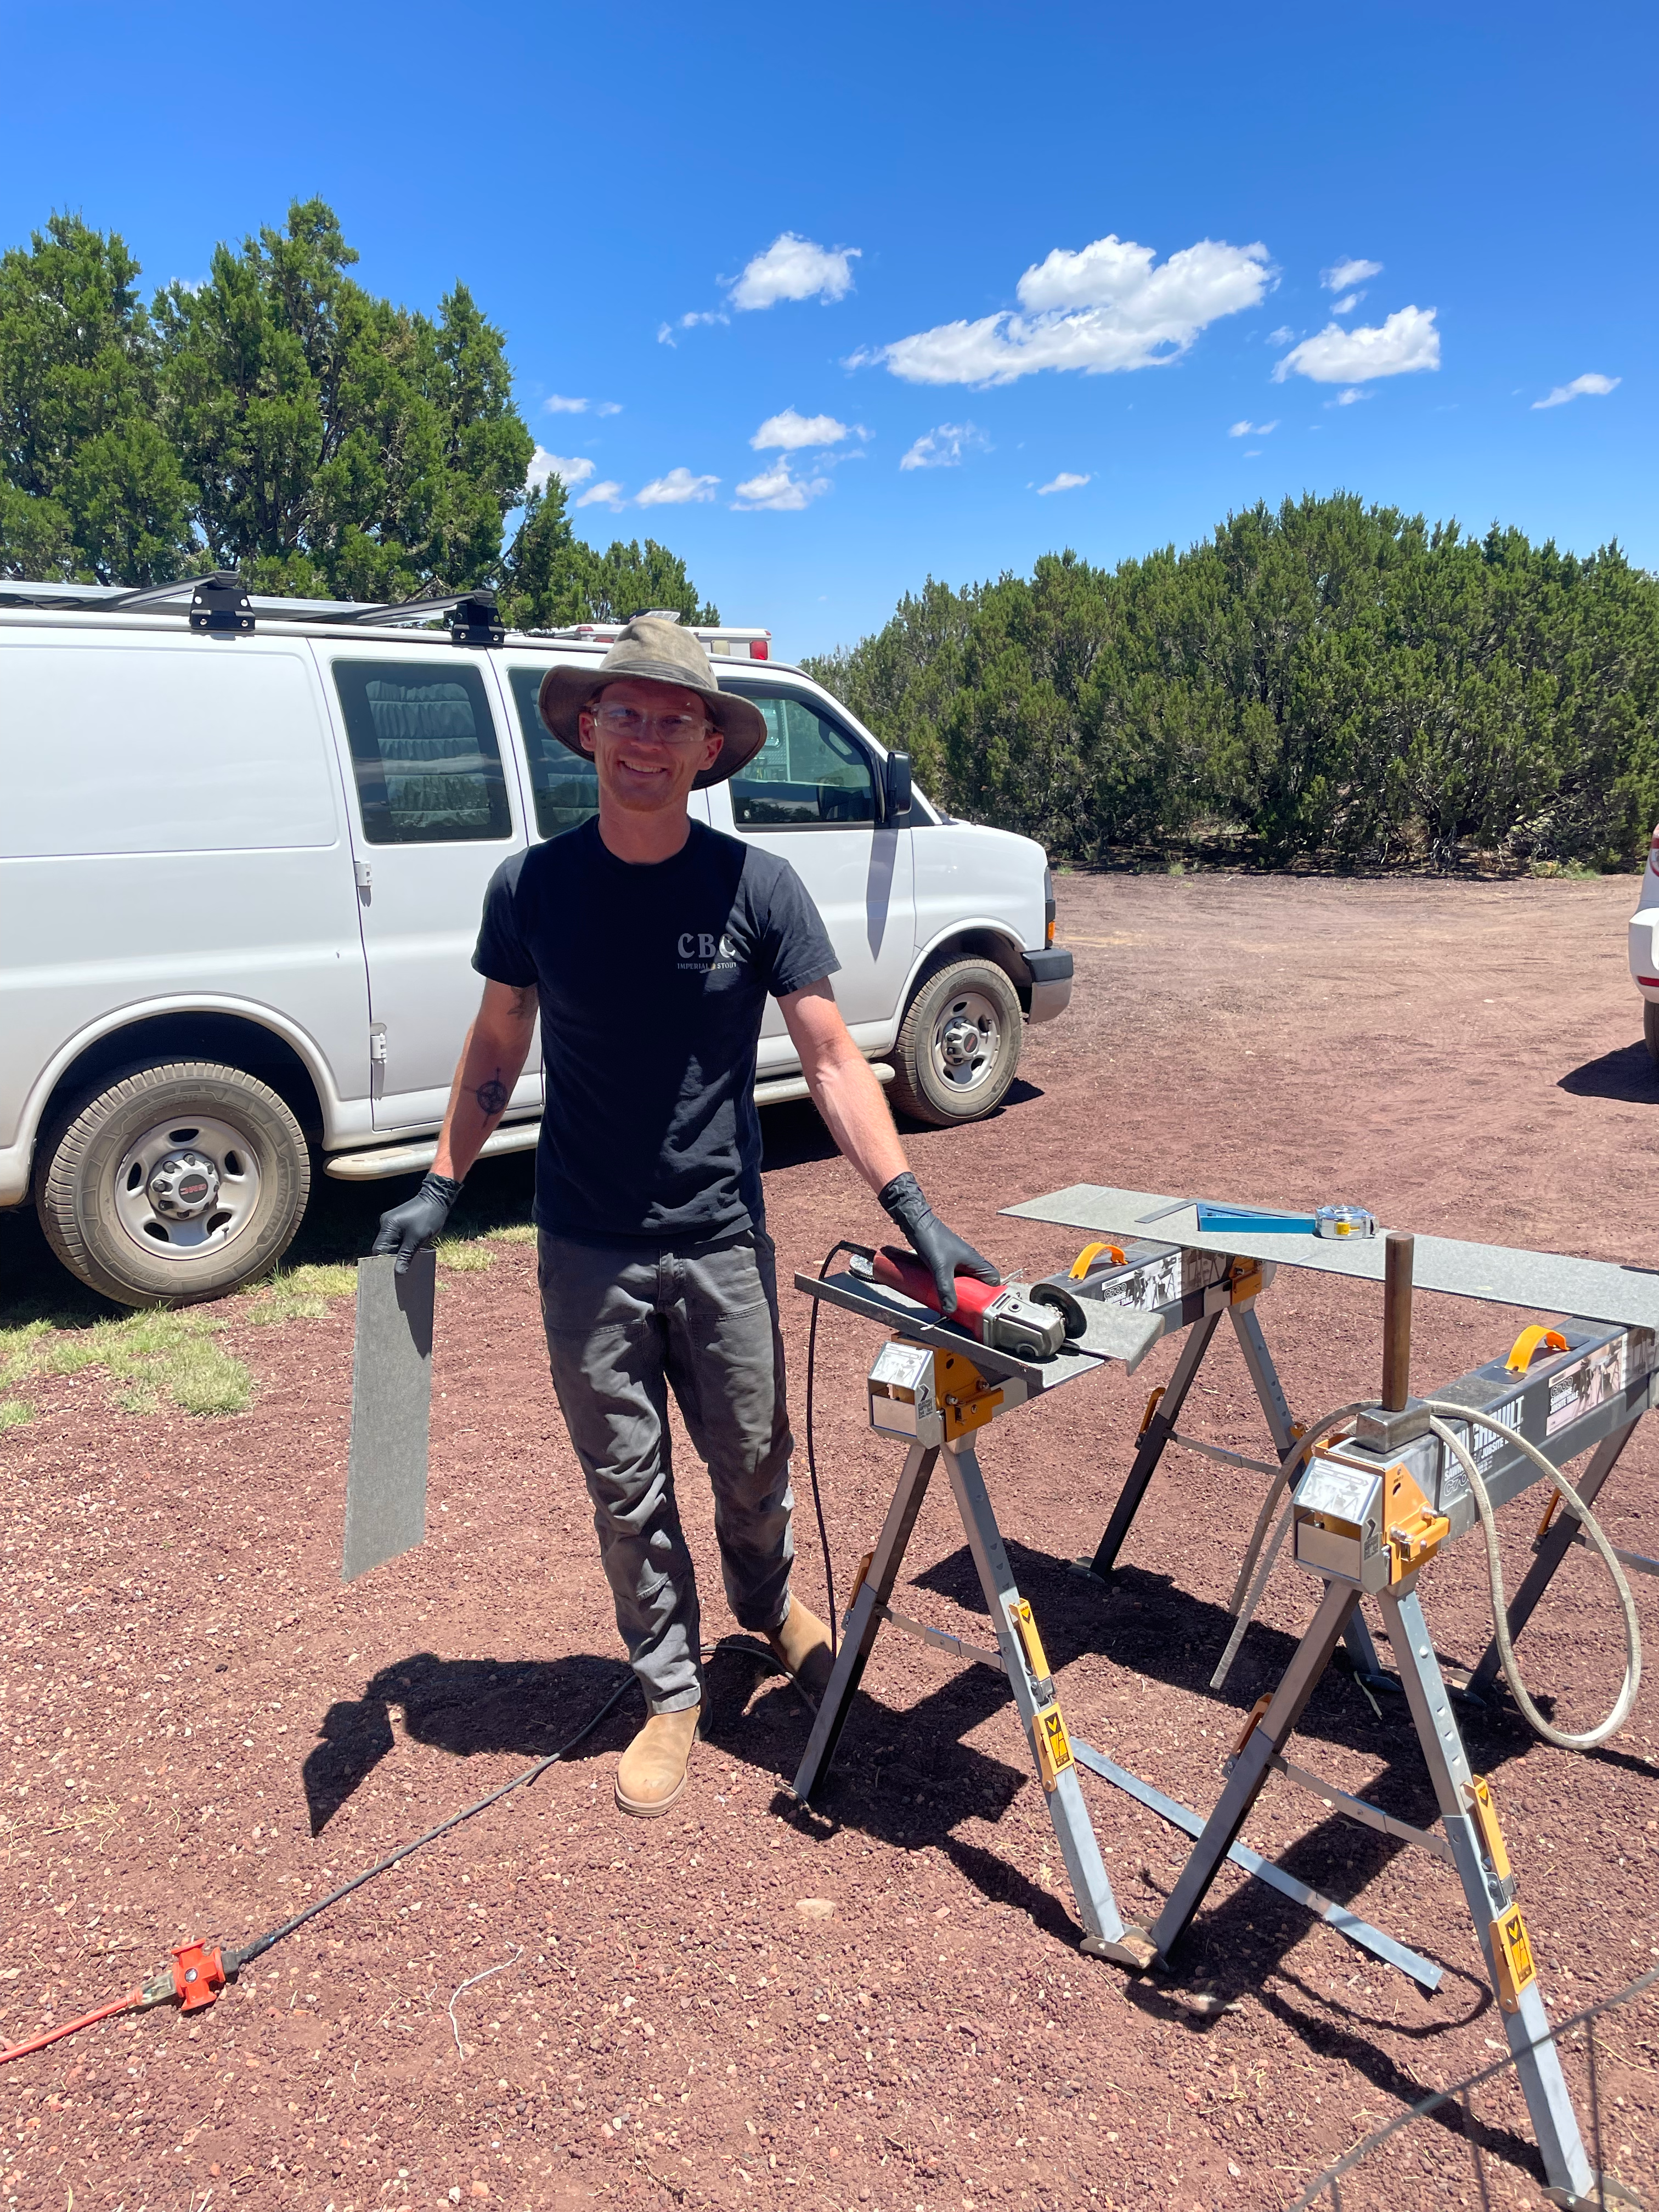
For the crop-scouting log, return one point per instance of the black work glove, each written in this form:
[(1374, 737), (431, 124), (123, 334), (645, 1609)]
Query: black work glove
[(406, 1228), (941, 1251)]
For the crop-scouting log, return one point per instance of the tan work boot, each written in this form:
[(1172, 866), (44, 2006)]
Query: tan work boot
[(803, 1646), (652, 1771)]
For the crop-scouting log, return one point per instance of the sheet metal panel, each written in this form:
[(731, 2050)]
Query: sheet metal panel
[(391, 1408), (1542, 1282)]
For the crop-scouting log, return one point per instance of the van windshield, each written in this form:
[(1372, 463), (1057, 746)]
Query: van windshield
[(565, 786)]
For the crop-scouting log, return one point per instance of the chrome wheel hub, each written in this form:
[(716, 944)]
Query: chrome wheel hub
[(186, 1188), (967, 1040)]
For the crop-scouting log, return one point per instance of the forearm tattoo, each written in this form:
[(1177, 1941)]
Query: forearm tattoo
[(492, 1096)]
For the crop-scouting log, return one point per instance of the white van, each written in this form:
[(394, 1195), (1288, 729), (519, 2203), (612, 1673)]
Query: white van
[(243, 850)]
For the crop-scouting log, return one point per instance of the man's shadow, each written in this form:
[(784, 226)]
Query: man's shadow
[(465, 1707)]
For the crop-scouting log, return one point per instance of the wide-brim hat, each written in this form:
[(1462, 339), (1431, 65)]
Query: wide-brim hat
[(657, 651)]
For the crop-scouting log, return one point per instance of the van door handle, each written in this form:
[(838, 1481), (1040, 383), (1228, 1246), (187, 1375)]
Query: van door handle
[(365, 875)]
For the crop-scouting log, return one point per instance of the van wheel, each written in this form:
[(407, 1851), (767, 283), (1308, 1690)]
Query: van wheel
[(174, 1184), (958, 1044), (1650, 1028)]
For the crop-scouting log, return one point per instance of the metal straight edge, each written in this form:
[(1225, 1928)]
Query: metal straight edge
[(1368, 1816), (1422, 1971), (390, 1412), (1220, 1452), (1638, 1562), (942, 1640)]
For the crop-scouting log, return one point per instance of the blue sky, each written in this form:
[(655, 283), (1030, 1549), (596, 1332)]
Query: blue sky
[(1062, 246)]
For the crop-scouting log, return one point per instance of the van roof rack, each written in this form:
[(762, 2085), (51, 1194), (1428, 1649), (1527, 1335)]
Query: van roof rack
[(219, 602)]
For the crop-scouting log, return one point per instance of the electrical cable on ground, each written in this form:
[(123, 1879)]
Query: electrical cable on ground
[(198, 1972), (1620, 1712), (863, 1251)]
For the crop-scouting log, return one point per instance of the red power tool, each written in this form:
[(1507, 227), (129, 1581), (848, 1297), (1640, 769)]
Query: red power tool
[(996, 1314)]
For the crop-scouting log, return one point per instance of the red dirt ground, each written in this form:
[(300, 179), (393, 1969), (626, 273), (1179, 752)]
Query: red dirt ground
[(877, 2003)]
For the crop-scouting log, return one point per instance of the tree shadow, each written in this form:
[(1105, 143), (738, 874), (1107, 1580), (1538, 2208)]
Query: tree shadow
[(1627, 1075)]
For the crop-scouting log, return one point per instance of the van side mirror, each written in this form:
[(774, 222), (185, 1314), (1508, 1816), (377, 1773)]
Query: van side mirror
[(898, 787)]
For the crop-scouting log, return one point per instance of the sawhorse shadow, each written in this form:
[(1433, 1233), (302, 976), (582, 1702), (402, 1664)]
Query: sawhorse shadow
[(528, 1707)]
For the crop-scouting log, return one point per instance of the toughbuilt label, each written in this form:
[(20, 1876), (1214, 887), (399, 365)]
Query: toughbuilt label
[(1588, 1383)]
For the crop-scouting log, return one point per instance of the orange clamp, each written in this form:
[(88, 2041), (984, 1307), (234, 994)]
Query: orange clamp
[(1147, 1418), (199, 1975), (1531, 1341), (1086, 1258)]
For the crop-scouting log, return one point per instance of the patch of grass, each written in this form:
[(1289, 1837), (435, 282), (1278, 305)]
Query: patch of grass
[(516, 1232), (296, 1293), (468, 1255), (160, 1354)]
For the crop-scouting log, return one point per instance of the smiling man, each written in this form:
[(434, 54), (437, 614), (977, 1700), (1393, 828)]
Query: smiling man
[(648, 943)]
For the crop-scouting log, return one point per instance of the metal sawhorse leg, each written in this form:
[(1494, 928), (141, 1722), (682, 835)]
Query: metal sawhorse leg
[(1471, 1829), (1019, 1654), (1159, 1430)]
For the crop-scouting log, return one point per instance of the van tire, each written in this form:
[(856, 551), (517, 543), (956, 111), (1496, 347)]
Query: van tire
[(96, 1193), (1650, 1028), (938, 1075)]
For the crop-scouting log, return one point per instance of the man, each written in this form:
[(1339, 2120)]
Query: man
[(648, 943)]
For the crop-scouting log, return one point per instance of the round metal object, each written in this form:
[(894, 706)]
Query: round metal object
[(184, 1187), (966, 1040)]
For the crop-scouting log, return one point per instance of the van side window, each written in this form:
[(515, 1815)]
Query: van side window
[(567, 787), (428, 766), (808, 774)]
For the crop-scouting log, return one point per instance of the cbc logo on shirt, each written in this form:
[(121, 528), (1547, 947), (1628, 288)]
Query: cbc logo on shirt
[(702, 953)]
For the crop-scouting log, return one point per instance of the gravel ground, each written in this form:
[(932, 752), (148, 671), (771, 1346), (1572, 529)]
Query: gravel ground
[(878, 2002)]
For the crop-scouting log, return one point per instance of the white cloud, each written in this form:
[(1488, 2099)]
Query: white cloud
[(1064, 481), (1591, 386), (1408, 340), (790, 432), (687, 322), (1252, 430), (558, 404), (776, 488), (1105, 308), (943, 447), (1348, 398), (1282, 335), (794, 269), (1346, 273), (1347, 303), (569, 469), (608, 494), (678, 486)]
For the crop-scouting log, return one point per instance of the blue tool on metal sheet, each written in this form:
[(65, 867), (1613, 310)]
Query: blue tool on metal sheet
[(1324, 1221)]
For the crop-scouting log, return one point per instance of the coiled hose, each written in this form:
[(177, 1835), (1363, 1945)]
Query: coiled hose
[(1436, 1408), (1616, 1718)]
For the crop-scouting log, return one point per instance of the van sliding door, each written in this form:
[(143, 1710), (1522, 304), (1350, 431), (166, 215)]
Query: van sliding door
[(437, 811)]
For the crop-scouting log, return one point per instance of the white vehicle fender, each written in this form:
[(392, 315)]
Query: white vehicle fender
[(341, 1123), (947, 940), (1643, 940)]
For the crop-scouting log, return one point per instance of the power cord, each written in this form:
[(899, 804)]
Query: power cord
[(862, 1252)]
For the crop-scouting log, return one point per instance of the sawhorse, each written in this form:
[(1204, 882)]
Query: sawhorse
[(926, 1387), (1472, 1831), (937, 1389)]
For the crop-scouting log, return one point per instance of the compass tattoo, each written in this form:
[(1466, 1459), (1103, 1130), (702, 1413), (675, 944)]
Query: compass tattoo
[(492, 1096)]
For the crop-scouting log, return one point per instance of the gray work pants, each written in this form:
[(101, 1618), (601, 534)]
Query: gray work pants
[(624, 1327)]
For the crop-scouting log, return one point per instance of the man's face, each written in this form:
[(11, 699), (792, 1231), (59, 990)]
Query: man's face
[(649, 741)]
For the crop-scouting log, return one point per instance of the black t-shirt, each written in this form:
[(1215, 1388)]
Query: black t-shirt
[(652, 982)]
